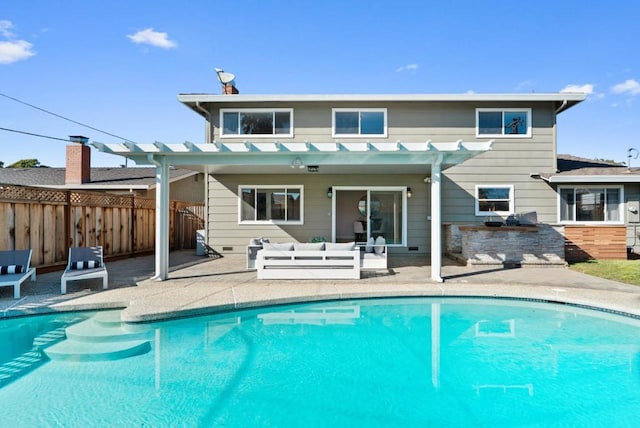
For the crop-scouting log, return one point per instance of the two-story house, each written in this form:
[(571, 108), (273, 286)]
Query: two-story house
[(299, 167)]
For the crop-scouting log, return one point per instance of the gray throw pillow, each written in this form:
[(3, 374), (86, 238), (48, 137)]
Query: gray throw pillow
[(379, 246), (370, 242)]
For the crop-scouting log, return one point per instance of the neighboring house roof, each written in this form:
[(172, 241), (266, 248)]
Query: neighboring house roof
[(101, 178), (563, 100), (573, 169)]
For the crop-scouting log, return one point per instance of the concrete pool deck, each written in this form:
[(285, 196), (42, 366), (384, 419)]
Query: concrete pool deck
[(199, 285)]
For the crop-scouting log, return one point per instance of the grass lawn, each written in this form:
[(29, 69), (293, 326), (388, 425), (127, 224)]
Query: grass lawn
[(627, 271)]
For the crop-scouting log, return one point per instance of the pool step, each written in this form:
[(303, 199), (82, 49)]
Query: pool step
[(92, 330), (102, 337), (35, 357), (72, 350), (19, 366)]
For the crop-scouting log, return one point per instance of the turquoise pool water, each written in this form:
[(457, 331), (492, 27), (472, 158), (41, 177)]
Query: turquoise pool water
[(378, 362)]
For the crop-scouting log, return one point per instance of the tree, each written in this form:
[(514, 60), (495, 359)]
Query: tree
[(26, 163), (1, 164)]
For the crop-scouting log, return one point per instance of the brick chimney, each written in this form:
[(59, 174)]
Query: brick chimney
[(229, 89), (78, 170)]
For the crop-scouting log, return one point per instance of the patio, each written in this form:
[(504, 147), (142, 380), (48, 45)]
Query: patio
[(198, 285)]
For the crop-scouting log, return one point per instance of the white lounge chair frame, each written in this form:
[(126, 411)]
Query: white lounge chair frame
[(21, 258), (79, 254)]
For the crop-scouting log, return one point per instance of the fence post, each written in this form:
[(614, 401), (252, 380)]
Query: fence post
[(67, 220), (133, 225)]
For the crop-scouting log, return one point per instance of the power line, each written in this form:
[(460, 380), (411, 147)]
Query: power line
[(65, 118), (35, 135)]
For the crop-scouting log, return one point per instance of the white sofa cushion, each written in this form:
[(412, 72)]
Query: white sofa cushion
[(288, 246), (308, 246), (379, 245), (339, 246)]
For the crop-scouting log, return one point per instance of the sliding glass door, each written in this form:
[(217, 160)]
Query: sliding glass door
[(361, 213), (386, 215)]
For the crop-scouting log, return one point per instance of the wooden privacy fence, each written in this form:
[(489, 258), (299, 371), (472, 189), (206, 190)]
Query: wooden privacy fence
[(50, 221)]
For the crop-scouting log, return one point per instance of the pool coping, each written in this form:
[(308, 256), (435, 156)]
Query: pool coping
[(517, 292), (210, 286)]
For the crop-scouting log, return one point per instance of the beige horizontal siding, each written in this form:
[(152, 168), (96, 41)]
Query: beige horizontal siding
[(406, 121), (511, 161), (224, 230)]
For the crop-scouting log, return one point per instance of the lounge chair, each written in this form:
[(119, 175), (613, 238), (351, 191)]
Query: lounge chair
[(15, 269), (84, 263)]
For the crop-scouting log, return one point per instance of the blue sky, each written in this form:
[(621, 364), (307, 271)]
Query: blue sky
[(119, 65)]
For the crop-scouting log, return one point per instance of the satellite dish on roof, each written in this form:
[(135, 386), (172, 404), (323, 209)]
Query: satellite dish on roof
[(224, 77)]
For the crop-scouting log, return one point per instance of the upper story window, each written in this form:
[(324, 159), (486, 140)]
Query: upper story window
[(595, 204), (256, 122), (270, 204), (349, 122), (496, 122), (494, 199)]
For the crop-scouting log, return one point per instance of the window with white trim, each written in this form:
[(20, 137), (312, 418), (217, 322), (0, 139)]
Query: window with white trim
[(271, 204), (256, 122), (359, 122), (503, 122), (494, 200), (592, 204)]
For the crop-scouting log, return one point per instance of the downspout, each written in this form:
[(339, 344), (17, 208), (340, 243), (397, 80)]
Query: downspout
[(208, 134), (562, 106), (162, 217), (555, 135), (205, 213)]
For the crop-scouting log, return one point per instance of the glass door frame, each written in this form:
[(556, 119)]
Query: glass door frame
[(370, 189)]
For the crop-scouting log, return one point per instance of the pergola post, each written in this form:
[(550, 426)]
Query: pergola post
[(436, 220), (162, 218)]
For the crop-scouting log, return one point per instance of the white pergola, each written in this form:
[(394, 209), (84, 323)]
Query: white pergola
[(270, 157)]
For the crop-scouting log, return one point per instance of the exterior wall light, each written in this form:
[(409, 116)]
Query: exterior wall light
[(409, 192), (330, 192), (297, 163)]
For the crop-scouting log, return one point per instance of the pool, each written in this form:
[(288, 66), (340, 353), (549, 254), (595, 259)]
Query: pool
[(373, 362)]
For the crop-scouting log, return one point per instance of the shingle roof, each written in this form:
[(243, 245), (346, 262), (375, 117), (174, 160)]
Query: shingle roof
[(574, 165), (100, 177), (585, 170)]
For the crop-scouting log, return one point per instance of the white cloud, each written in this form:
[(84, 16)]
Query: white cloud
[(584, 89), (15, 51), (5, 28), (153, 38), (408, 67), (629, 87)]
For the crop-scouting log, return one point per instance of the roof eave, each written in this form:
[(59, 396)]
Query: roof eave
[(568, 179), (564, 100)]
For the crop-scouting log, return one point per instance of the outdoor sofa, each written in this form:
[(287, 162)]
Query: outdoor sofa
[(321, 260)]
